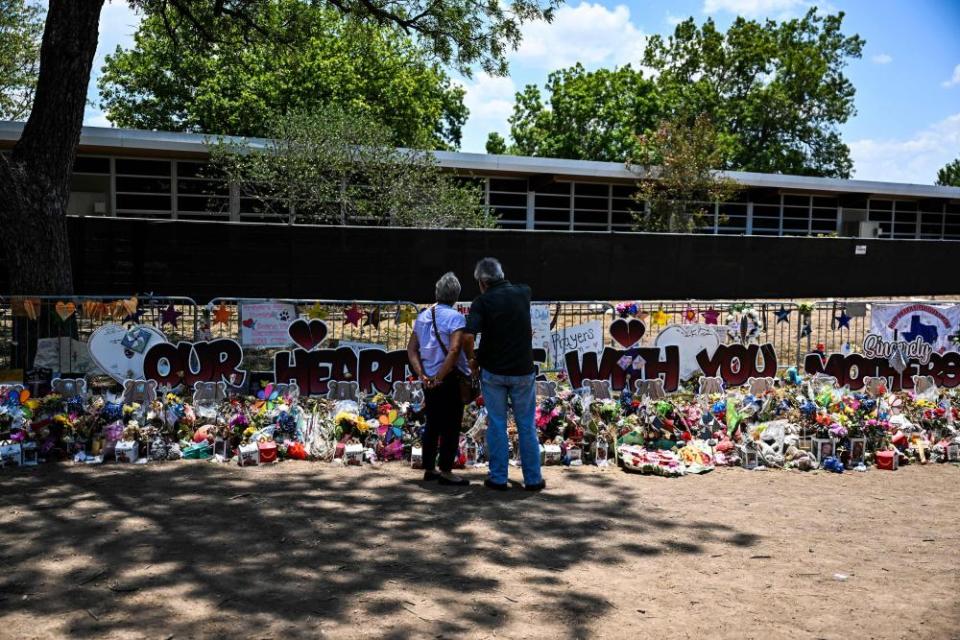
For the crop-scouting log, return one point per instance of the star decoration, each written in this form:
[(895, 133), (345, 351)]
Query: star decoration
[(690, 315), (806, 330), (710, 315), (660, 317), (170, 316), (406, 316), (317, 312), (843, 320), (373, 318), (221, 314), (783, 315), (353, 315)]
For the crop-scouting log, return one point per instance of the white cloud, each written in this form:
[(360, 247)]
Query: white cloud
[(882, 58), (587, 33), (954, 80), (776, 9), (489, 98), (673, 20), (915, 160), (753, 8)]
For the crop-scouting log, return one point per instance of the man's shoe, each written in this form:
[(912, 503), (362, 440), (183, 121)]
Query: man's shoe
[(540, 486), (453, 481), (429, 476), (496, 486)]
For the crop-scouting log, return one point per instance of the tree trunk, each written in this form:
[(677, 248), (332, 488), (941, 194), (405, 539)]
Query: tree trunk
[(35, 179)]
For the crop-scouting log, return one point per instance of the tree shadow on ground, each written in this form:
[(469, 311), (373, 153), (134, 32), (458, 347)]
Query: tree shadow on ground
[(300, 548)]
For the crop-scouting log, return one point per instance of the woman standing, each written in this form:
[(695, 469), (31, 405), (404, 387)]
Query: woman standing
[(436, 356)]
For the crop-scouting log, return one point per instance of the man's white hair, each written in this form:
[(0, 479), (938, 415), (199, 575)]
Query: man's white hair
[(488, 270)]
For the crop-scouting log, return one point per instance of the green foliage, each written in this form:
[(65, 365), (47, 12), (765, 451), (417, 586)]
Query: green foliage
[(21, 27), (949, 175), (776, 91), (372, 70), (496, 145), (462, 33), (680, 191), (334, 166), (593, 115)]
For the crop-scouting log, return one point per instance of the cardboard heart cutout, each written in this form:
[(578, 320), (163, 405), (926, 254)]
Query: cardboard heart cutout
[(116, 360), (306, 334), (691, 339), (627, 332)]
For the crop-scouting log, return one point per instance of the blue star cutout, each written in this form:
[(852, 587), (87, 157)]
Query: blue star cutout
[(783, 315), (843, 320)]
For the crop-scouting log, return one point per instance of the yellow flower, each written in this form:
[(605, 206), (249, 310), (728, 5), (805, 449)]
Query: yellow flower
[(33, 404)]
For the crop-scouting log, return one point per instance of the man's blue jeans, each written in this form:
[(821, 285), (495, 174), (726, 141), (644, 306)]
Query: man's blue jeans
[(521, 391)]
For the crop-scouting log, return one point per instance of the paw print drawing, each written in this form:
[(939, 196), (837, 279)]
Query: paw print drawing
[(283, 315)]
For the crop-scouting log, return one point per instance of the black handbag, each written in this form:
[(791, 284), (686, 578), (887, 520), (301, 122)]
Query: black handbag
[(469, 389)]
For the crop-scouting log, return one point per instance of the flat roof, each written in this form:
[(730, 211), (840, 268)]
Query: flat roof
[(134, 141)]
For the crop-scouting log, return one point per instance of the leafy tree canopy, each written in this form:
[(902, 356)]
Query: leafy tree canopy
[(776, 89), (685, 154), (317, 57), (593, 115), (949, 175), (330, 165), (21, 27), (775, 92)]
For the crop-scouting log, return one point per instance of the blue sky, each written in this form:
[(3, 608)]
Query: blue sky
[(908, 82)]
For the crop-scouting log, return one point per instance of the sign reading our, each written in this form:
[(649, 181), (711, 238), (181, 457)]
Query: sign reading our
[(191, 362)]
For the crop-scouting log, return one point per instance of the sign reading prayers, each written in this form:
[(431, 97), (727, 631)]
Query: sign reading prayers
[(581, 338)]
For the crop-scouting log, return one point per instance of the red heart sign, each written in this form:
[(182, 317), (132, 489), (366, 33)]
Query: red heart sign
[(627, 332), (308, 335)]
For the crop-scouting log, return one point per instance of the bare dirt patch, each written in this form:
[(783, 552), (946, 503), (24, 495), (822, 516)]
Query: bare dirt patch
[(196, 550)]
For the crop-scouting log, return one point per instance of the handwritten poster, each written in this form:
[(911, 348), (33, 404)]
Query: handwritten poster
[(582, 338), (264, 324), (540, 322)]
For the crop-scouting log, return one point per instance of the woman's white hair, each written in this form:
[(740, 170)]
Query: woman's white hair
[(488, 270), (448, 288)]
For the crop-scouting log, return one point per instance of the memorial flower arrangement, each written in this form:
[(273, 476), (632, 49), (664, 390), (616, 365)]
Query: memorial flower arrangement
[(676, 435)]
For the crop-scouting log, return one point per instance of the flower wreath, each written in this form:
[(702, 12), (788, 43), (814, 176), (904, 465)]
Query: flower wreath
[(744, 324)]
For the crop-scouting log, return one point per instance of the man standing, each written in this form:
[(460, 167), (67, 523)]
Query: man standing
[(501, 315)]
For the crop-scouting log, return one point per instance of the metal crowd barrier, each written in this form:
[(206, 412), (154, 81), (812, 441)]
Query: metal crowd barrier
[(794, 328), (66, 323)]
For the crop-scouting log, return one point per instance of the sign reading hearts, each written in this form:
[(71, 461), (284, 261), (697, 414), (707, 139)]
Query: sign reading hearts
[(627, 332), (120, 352), (308, 334)]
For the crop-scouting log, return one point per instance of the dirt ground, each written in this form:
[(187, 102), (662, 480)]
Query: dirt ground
[(307, 550)]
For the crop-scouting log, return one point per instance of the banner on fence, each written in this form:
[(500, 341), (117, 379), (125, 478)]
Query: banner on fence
[(934, 324)]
